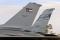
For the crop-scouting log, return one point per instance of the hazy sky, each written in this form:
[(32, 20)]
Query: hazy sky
[(22, 2)]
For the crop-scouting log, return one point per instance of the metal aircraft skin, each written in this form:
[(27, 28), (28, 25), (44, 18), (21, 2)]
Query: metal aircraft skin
[(22, 21), (40, 24)]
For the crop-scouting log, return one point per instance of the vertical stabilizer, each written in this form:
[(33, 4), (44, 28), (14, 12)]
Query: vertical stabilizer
[(25, 17), (42, 21)]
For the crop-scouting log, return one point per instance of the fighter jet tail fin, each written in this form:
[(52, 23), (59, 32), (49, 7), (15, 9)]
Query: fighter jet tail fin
[(25, 17), (42, 21)]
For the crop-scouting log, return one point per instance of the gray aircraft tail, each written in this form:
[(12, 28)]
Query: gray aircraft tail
[(25, 17), (40, 24)]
